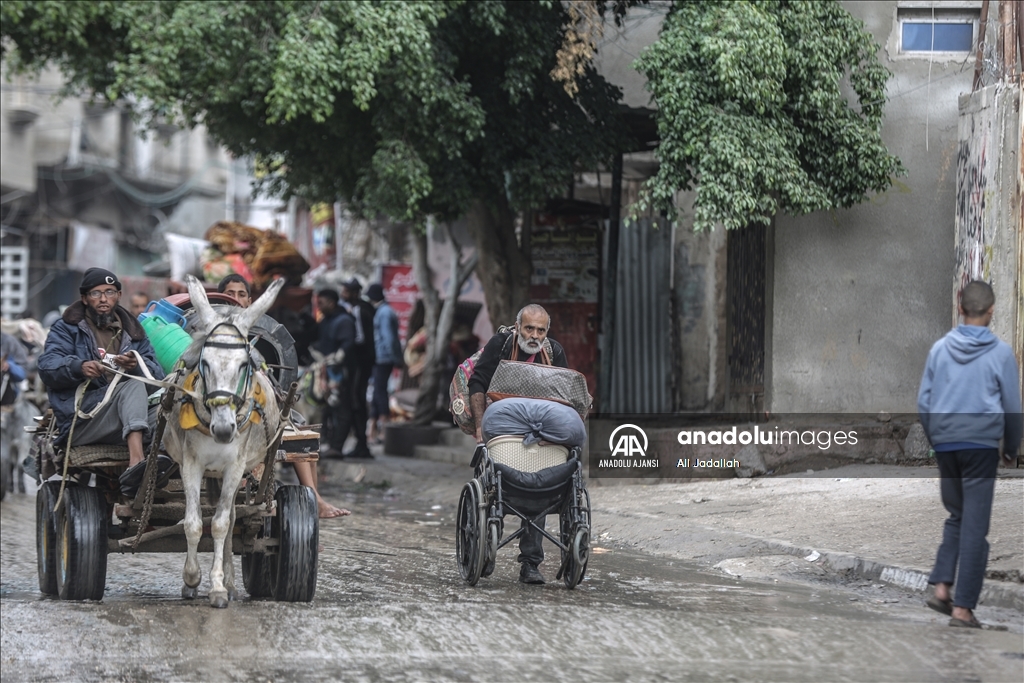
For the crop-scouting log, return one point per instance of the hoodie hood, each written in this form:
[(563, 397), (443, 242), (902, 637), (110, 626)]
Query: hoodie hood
[(968, 342), (75, 313)]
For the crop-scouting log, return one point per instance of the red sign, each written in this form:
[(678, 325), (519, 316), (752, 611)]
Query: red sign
[(401, 292)]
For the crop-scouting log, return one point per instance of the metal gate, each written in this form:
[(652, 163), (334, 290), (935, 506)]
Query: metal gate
[(746, 325), (642, 363)]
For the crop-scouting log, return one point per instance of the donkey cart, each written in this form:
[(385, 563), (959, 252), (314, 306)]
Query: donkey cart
[(82, 517)]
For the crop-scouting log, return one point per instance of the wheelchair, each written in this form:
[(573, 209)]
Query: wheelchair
[(527, 482)]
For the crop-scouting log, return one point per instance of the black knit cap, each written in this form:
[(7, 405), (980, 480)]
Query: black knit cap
[(97, 277), (375, 292)]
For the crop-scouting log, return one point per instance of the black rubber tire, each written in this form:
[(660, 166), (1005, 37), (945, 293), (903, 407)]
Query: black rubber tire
[(297, 530), (276, 344), (584, 498), (573, 523), (46, 536), (257, 576), (82, 544), (5, 472), (566, 532), (580, 552), (491, 557), (470, 544)]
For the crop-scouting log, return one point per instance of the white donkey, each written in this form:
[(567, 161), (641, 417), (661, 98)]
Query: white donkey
[(227, 432)]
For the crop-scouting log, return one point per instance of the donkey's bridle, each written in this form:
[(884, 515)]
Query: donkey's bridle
[(237, 400)]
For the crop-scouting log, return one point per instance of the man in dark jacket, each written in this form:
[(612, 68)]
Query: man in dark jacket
[(94, 334), (527, 342), (362, 361), (335, 341)]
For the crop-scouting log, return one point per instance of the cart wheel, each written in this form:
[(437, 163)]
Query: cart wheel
[(257, 576), (46, 536), (82, 544), (492, 547), (470, 548), (297, 530)]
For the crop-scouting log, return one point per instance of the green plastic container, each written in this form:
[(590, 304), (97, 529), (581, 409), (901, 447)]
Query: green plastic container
[(169, 340)]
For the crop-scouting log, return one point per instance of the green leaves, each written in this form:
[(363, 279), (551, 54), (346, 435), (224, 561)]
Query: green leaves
[(398, 181), (401, 108), (752, 113)]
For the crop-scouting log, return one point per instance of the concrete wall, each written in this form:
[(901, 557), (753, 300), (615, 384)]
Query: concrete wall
[(988, 206), (860, 295), (699, 291)]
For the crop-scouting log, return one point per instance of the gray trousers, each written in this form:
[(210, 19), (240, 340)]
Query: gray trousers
[(127, 411), (967, 484), (531, 543)]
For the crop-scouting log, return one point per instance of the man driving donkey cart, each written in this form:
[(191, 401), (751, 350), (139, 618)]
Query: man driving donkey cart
[(218, 419)]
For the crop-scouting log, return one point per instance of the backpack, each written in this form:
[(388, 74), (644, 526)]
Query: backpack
[(458, 392)]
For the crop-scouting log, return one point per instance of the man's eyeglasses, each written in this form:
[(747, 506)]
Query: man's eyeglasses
[(105, 294)]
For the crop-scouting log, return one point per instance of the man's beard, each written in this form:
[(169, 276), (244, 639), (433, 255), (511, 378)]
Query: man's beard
[(102, 320), (530, 346)]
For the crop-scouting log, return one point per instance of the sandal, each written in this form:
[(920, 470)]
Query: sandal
[(963, 623), (940, 606)]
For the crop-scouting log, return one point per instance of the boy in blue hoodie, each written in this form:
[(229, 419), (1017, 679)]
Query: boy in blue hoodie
[(969, 400)]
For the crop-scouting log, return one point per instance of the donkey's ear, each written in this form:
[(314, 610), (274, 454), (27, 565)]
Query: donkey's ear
[(246, 319), (206, 318), (191, 356)]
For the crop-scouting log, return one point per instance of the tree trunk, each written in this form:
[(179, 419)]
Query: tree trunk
[(505, 265), (438, 318)]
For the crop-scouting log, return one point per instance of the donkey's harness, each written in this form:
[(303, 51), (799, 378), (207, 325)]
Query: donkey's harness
[(248, 400)]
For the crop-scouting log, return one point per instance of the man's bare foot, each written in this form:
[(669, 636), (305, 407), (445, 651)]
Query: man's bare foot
[(942, 591), (328, 511)]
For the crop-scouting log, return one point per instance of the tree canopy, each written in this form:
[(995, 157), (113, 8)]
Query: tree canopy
[(755, 112), (406, 109), (403, 108)]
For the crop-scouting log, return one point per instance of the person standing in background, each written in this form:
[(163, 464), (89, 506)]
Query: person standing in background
[(237, 288), (139, 302), (388, 355), (362, 360)]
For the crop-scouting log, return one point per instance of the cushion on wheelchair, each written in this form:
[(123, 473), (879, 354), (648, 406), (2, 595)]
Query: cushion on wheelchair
[(547, 481)]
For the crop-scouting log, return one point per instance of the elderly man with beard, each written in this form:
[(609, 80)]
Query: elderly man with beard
[(527, 342), (92, 335)]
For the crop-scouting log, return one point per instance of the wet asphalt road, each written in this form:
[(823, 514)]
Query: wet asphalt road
[(390, 606)]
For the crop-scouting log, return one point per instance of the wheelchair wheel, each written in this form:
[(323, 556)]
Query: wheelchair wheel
[(470, 546), (493, 534), (580, 554), (575, 536)]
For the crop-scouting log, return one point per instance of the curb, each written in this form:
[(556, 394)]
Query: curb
[(993, 593)]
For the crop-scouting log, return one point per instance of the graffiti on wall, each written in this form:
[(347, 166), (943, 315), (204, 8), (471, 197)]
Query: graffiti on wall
[(974, 229)]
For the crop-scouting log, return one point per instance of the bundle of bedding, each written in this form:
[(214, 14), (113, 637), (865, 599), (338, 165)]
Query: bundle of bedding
[(535, 420)]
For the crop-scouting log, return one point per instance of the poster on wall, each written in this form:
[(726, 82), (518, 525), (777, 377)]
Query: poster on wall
[(320, 250), (400, 292)]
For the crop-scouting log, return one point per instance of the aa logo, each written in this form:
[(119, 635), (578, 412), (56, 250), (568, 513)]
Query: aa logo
[(628, 443)]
